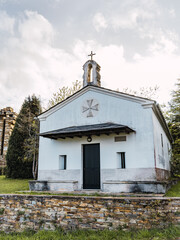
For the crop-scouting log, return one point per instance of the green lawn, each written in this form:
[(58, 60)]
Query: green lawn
[(172, 232), (14, 185), (174, 191), (8, 185)]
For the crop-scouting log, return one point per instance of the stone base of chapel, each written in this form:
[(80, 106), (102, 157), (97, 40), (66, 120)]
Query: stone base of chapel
[(136, 187), (53, 185), (108, 187), (142, 180)]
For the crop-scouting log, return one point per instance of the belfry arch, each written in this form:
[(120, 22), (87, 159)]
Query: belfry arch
[(91, 74)]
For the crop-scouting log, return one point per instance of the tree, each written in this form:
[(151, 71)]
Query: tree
[(64, 92), (146, 92), (23, 146), (173, 118)]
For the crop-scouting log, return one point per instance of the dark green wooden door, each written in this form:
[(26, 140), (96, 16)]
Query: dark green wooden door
[(91, 166)]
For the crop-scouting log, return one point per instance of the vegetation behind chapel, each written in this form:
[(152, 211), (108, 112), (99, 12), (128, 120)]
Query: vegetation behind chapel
[(173, 119), (22, 154), (23, 146)]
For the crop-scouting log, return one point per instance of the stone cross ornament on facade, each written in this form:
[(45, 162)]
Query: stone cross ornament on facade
[(90, 108)]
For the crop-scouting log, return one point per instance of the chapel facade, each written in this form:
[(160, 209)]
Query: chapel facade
[(103, 140), (7, 122)]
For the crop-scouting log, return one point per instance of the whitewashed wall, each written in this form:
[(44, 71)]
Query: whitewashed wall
[(112, 109), (139, 146), (138, 166), (162, 153)]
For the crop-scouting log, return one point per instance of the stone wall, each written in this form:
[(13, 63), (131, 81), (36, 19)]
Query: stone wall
[(7, 122), (19, 212)]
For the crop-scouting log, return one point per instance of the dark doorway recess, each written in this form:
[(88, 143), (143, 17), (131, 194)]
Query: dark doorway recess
[(91, 166)]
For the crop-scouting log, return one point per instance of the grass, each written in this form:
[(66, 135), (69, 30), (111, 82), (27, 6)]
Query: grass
[(174, 191), (8, 185), (71, 194), (16, 186), (171, 232)]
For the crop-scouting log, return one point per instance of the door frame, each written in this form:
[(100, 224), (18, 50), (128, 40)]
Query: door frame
[(82, 147)]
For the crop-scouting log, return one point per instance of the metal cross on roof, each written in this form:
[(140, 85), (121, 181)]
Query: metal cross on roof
[(91, 55)]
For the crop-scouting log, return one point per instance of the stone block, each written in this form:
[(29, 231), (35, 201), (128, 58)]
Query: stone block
[(7, 122), (23, 211)]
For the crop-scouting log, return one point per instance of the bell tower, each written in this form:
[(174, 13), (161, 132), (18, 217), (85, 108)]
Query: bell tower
[(91, 74)]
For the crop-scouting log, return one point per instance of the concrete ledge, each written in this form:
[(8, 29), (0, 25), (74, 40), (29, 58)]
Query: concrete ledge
[(132, 182), (135, 186), (53, 185)]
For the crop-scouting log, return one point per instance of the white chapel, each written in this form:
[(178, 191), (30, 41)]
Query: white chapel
[(104, 140)]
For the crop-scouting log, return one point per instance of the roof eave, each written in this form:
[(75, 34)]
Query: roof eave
[(80, 134), (157, 110)]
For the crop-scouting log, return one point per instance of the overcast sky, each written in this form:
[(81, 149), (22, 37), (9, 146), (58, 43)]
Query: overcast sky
[(44, 44)]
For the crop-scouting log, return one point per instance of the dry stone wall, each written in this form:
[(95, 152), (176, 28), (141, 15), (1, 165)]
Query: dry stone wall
[(7, 122), (20, 212)]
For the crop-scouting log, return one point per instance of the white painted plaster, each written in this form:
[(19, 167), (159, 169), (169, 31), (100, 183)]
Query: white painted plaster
[(138, 148), (111, 109), (129, 187), (136, 168), (162, 154)]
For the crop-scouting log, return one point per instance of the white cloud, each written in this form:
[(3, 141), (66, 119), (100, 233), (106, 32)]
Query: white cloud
[(172, 13), (35, 28), (161, 68), (30, 64), (130, 19), (164, 44), (6, 22), (99, 21), (142, 17), (163, 41)]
